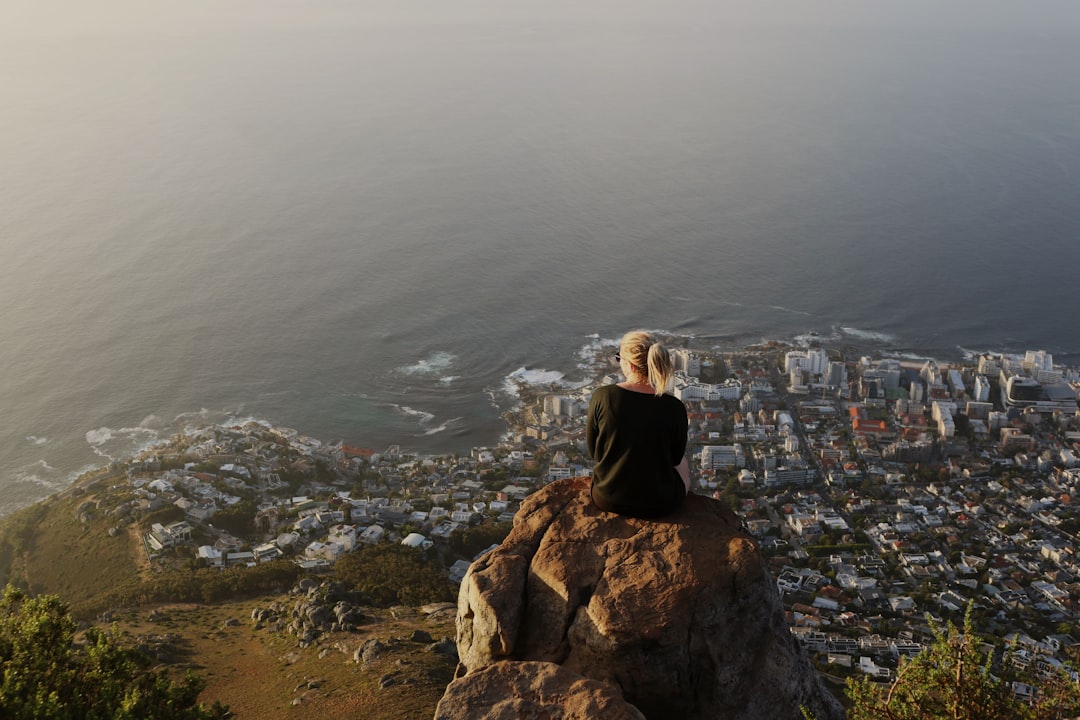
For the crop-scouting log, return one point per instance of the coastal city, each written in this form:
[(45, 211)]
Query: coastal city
[(887, 495)]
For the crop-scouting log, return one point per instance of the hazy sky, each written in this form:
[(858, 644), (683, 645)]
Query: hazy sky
[(65, 17)]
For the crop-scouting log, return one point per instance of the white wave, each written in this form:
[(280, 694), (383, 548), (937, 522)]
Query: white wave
[(33, 478), (596, 345), (76, 474), (424, 417), (781, 308), (441, 428), (908, 356), (37, 440), (239, 420), (200, 415), (867, 334), (968, 354), (434, 364), (806, 339), (536, 376), (447, 380), (118, 443), (100, 436)]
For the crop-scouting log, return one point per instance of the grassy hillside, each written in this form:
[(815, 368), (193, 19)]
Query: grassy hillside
[(262, 673), (84, 547), (62, 546)]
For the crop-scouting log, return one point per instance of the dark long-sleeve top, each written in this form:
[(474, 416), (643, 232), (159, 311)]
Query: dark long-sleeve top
[(637, 440)]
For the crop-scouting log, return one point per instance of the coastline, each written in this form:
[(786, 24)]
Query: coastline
[(521, 388), (875, 491)]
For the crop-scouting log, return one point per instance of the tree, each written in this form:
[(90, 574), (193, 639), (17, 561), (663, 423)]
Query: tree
[(238, 519), (468, 542), (953, 679), (391, 574), (45, 674)]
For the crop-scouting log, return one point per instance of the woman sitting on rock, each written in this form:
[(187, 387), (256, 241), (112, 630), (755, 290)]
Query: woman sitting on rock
[(637, 435)]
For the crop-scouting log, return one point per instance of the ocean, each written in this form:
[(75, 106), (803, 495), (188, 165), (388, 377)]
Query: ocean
[(365, 220)]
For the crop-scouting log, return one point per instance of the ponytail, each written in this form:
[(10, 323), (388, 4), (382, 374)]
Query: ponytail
[(649, 358), (661, 368)]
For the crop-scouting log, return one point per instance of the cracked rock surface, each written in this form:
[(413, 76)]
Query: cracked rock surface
[(679, 615)]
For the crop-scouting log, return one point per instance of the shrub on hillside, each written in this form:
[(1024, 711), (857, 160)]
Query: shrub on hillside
[(954, 679), (45, 674), (200, 585), (391, 574), (467, 542)]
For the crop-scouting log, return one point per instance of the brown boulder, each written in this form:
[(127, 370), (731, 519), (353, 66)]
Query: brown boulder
[(532, 691), (681, 614)]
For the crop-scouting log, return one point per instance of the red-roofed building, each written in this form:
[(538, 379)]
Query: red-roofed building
[(356, 452), (861, 426)]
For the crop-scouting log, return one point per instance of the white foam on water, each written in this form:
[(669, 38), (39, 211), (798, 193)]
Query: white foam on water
[(34, 477), (100, 436), (445, 426), (908, 356), (120, 443), (972, 354), (76, 474), (594, 347), (37, 440), (808, 338), (781, 308), (434, 364), (867, 334), (526, 376), (423, 417)]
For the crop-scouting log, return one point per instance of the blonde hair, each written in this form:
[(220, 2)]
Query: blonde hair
[(649, 357)]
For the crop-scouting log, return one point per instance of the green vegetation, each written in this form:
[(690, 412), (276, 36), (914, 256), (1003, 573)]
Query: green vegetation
[(45, 674), (391, 574), (54, 548), (16, 538), (954, 679), (238, 519), (468, 542), (199, 585)]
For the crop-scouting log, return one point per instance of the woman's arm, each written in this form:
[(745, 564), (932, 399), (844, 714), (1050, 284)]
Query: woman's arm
[(683, 468)]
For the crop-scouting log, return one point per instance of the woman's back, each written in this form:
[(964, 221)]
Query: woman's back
[(636, 439)]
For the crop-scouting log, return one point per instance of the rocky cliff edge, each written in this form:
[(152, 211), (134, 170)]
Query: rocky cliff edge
[(581, 613)]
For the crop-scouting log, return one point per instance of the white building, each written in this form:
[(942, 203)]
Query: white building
[(714, 457), (815, 362), (956, 382), (372, 534), (686, 388), (267, 552), (417, 540), (344, 535), (210, 555), (686, 362)]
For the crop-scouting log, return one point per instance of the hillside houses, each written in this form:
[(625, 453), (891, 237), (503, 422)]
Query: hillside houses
[(879, 489)]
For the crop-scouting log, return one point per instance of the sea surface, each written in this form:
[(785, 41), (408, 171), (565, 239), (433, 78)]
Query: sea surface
[(365, 219)]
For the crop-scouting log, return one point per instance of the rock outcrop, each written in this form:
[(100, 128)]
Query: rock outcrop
[(525, 690), (319, 608), (679, 617)]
